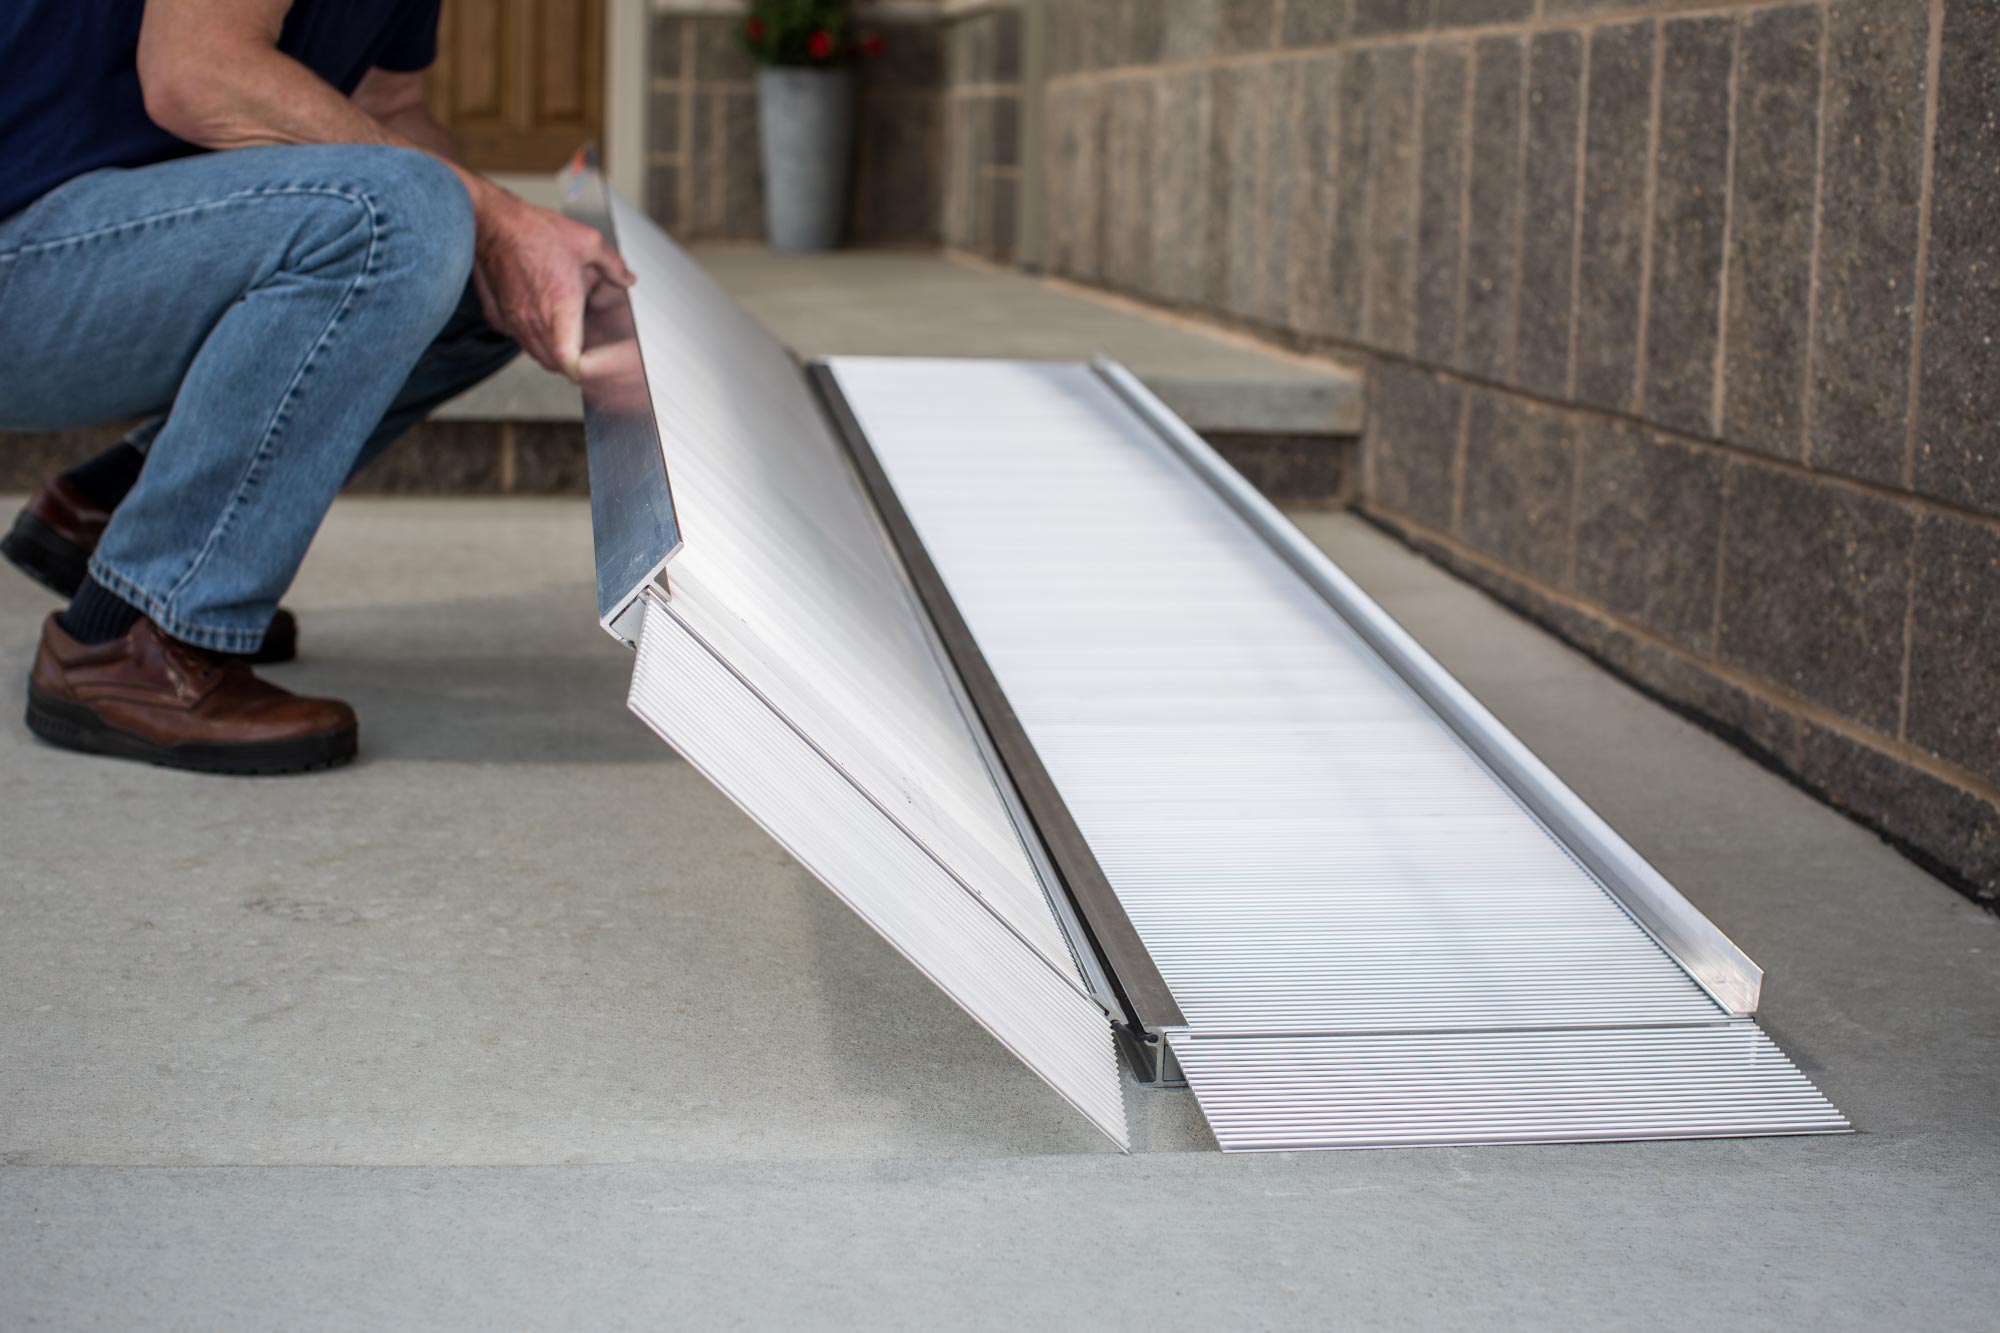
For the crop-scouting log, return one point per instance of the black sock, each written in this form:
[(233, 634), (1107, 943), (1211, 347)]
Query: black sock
[(108, 476), (98, 615)]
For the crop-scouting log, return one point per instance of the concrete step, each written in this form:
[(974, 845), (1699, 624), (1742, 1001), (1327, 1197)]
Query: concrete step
[(1289, 423)]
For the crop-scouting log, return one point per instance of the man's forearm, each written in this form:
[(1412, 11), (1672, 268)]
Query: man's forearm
[(270, 98), (211, 72), (417, 125)]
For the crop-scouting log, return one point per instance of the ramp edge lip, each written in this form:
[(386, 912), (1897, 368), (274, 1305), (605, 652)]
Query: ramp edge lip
[(635, 528), (1147, 1003), (1714, 961), (1343, 1091), (652, 602)]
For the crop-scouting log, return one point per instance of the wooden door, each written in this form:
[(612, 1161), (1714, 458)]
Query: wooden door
[(520, 83)]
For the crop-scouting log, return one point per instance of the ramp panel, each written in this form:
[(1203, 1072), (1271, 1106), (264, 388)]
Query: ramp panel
[(1727, 1080), (781, 651), (1320, 859)]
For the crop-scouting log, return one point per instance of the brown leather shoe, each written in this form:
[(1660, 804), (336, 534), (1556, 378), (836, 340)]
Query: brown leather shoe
[(150, 697), (52, 539)]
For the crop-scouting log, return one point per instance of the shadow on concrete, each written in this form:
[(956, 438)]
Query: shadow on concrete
[(477, 681)]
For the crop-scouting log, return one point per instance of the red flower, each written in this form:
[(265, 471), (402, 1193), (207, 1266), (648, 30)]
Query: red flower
[(820, 45), (754, 30), (871, 45)]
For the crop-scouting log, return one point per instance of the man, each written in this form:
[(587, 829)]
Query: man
[(281, 306)]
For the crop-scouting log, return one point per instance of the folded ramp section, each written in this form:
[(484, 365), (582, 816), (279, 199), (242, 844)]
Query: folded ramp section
[(731, 735), (781, 651), (1383, 920)]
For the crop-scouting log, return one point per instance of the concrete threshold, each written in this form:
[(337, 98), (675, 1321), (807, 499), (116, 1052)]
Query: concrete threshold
[(922, 303)]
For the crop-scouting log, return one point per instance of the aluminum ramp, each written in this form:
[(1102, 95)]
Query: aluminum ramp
[(1085, 729), (1374, 939)]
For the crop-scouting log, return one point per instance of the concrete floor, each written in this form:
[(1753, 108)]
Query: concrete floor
[(518, 1023)]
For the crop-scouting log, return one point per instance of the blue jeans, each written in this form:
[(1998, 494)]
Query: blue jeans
[(284, 312)]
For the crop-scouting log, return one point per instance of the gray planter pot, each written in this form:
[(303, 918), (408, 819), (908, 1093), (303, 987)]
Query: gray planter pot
[(805, 119)]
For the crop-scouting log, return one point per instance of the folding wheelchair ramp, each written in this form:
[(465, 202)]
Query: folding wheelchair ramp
[(1094, 737)]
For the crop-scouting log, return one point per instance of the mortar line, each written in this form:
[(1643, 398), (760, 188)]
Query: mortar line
[(718, 146), (1808, 396), (1933, 61), (1464, 203), (1365, 242), (1519, 241), (1646, 223), (1300, 206), (684, 181), (1368, 414), (1422, 56), (1909, 630), (1575, 504), (1260, 235), (1721, 562), (1722, 293), (1577, 209), (1459, 451)]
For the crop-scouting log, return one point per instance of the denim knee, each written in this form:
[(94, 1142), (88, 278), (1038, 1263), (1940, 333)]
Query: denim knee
[(426, 223)]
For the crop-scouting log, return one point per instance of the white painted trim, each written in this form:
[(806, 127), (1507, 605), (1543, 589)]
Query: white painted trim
[(541, 188), (627, 126)]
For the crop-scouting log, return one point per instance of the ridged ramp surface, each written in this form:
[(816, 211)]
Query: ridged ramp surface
[(1724, 1080), (1304, 846)]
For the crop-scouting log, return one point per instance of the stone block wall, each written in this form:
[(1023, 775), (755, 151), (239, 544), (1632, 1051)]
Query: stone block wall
[(451, 457), (1682, 322), (705, 179)]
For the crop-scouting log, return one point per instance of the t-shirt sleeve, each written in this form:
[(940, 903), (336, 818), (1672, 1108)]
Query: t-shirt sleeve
[(413, 40)]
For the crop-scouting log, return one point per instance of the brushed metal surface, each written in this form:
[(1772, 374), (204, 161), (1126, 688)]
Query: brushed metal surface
[(1710, 957), (1035, 1008), (1305, 844), (1137, 992), (1725, 1080), (632, 522), (817, 701)]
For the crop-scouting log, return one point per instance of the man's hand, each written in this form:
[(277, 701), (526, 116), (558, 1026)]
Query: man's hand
[(211, 73), (534, 270)]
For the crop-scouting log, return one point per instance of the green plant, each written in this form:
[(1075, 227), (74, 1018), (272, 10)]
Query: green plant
[(803, 32)]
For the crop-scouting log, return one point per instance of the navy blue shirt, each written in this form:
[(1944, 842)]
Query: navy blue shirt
[(69, 79)]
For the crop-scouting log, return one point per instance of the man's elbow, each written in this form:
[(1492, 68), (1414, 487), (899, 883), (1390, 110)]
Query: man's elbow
[(178, 104), (189, 102)]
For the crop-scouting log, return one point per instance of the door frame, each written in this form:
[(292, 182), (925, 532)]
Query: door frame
[(625, 149)]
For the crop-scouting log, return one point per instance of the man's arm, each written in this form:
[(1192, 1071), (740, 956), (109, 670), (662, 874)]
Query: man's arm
[(397, 101), (212, 74)]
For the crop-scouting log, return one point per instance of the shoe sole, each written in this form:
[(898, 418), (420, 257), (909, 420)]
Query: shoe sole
[(51, 560), (72, 726), (59, 564)]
